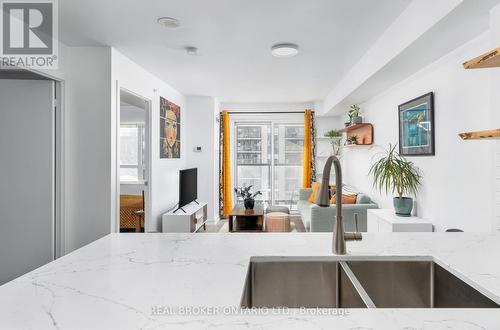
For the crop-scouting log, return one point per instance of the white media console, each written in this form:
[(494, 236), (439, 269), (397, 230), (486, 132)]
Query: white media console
[(189, 219)]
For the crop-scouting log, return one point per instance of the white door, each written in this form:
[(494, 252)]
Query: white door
[(26, 176)]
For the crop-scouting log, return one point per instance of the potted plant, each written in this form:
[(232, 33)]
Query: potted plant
[(353, 139), (335, 140), (394, 173), (248, 197), (354, 114)]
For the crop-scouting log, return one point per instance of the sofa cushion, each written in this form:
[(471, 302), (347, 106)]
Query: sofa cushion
[(346, 199), (315, 189), (304, 208), (363, 199)]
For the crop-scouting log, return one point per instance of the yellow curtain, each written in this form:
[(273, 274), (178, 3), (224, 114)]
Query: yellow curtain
[(307, 168), (227, 194)]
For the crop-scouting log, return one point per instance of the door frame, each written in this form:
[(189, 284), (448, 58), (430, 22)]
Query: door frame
[(59, 163), (148, 157)]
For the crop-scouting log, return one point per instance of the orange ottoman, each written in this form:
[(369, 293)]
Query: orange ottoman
[(278, 222)]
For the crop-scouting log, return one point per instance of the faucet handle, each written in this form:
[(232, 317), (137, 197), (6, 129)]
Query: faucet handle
[(354, 236)]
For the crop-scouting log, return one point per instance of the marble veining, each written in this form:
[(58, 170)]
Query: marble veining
[(119, 281)]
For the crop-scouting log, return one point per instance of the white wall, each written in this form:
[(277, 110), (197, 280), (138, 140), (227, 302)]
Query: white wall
[(203, 129), (89, 149), (323, 147), (495, 105), (456, 182), (86, 73), (266, 107), (164, 172)]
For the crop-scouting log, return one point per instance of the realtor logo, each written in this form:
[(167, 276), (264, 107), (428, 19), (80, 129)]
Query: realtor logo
[(28, 34)]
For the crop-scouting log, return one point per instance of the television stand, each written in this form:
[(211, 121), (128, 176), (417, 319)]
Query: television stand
[(179, 208), (193, 218)]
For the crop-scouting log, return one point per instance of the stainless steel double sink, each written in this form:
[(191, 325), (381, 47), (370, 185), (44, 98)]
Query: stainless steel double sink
[(333, 282)]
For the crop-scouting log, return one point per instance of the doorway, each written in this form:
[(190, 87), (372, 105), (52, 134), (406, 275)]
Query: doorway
[(30, 145), (134, 163)]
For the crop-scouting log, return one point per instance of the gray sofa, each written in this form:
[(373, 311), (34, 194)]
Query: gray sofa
[(318, 218)]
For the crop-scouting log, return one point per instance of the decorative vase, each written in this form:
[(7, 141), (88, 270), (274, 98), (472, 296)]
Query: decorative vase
[(403, 206), (356, 120), (249, 203)]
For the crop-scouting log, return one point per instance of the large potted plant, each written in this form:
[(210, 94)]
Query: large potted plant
[(396, 174), (247, 196)]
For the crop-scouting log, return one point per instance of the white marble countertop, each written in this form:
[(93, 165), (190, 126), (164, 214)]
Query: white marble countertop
[(117, 281)]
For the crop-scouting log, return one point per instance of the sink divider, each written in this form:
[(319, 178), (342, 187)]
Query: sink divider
[(359, 288)]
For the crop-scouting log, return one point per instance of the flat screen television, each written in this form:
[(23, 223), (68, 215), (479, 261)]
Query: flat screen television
[(188, 186)]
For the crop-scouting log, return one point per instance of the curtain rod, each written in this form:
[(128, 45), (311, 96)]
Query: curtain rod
[(262, 112)]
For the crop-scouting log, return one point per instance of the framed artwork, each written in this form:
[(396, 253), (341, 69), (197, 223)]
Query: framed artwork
[(170, 129), (416, 126)]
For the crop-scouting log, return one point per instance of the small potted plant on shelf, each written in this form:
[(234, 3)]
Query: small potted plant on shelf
[(353, 139), (354, 114), (335, 140), (394, 173), (247, 196)]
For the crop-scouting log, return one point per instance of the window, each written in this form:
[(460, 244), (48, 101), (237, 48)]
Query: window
[(132, 146), (288, 155), (253, 159), (269, 156)]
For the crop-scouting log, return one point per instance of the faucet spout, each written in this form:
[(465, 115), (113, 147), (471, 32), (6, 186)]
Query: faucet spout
[(323, 200)]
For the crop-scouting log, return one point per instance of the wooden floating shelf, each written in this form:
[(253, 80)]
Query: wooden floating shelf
[(488, 60), (488, 134), (356, 145), (354, 127), (364, 133)]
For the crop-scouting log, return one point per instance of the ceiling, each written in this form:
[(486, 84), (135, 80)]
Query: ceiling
[(234, 38)]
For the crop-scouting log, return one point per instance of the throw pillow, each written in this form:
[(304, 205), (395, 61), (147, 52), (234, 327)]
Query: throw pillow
[(363, 199), (346, 199), (315, 188)]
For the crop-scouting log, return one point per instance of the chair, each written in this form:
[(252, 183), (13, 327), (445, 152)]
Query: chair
[(130, 205), (140, 215)]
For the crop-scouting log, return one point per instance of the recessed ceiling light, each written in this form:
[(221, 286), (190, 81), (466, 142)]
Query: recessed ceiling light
[(169, 22), (191, 50), (284, 50)]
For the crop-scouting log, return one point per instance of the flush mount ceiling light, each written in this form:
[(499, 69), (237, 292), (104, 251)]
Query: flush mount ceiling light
[(284, 50), (168, 22), (190, 50)]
